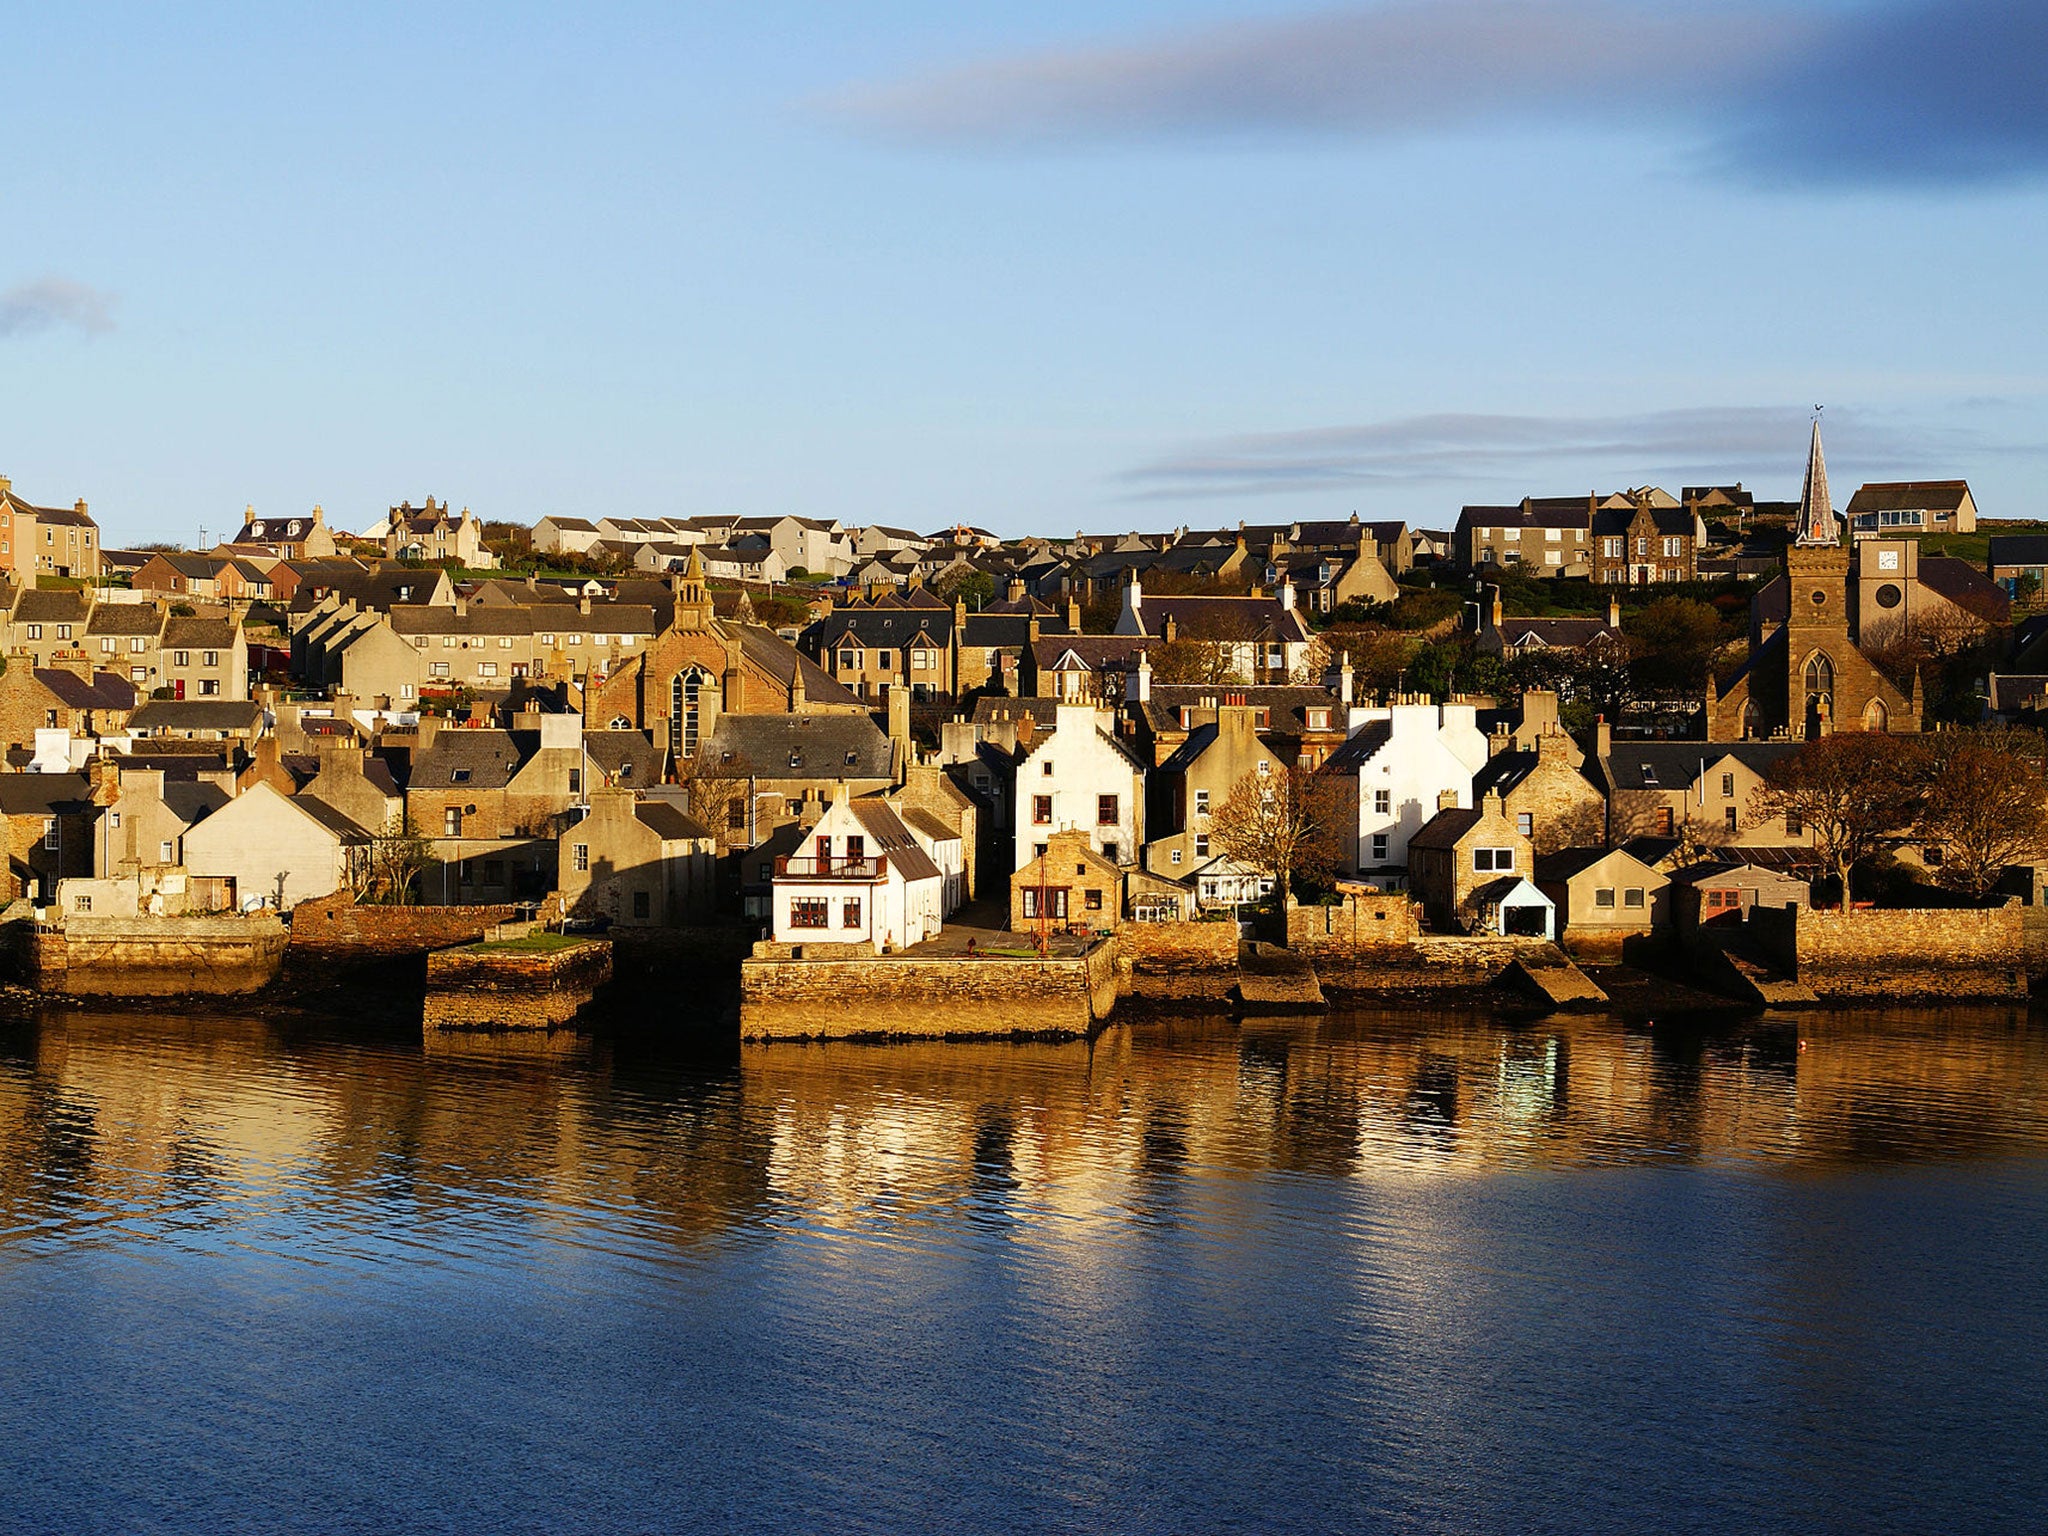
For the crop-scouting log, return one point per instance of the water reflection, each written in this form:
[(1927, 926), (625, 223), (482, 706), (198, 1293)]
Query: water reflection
[(112, 1124)]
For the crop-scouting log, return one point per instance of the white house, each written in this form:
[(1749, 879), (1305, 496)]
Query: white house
[(942, 845), (278, 849), (564, 535), (860, 877), (1080, 778), (1401, 765)]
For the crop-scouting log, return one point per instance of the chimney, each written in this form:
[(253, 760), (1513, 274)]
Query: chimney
[(1287, 594), (1172, 630), (1073, 615), (81, 506), (1496, 608), (1447, 799), (1345, 683), (1553, 746), (1139, 689), (1015, 590), (1603, 737), (1491, 805), (899, 729), (1614, 613), (583, 605)]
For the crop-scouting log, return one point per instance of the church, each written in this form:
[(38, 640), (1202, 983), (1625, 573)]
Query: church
[(1807, 673), (701, 667)]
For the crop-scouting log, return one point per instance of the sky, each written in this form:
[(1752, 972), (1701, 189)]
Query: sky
[(1039, 267)]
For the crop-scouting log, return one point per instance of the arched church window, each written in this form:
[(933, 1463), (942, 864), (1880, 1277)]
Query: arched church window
[(1876, 717), (685, 711)]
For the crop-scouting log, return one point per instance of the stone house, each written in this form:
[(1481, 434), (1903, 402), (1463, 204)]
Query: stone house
[(1548, 796), (1650, 539), (871, 647), (461, 782), (290, 538), (1543, 536), (2014, 558), (43, 624), (198, 719), (1604, 892), (757, 773), (348, 650), (359, 786), (1068, 885), (1324, 581), (1456, 859), (640, 862), (204, 658), (1257, 639), (1184, 792), (277, 848), (1697, 791), (1403, 763), (432, 534), (146, 813), (564, 535), (49, 831), (1083, 669), (62, 541), (861, 878), (1080, 778), (69, 696), (128, 638), (488, 649), (1303, 724)]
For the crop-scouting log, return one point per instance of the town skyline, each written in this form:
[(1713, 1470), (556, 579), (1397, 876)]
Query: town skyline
[(1036, 269)]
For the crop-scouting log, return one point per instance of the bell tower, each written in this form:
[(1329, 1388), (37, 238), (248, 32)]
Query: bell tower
[(693, 601)]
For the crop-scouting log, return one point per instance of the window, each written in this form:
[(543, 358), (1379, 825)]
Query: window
[(487, 669), (165, 852), (547, 639), (1092, 900), (1045, 768), (1633, 897), (1055, 902), (35, 631), (494, 871), (849, 661), (1613, 549), (504, 644), (209, 658), (50, 719), (437, 669), (63, 631), (83, 903), (106, 647), (1105, 810), (181, 658), (579, 856), (1727, 786), (49, 831), (1501, 859), (1319, 719), (1733, 823), (1265, 768), (451, 821), (736, 815), (810, 912), (1795, 824), (1674, 546), (1604, 897), (1109, 852), (138, 645), (1041, 809), (1202, 846), (209, 687), (138, 674), (1553, 557), (114, 820), (575, 781), (1176, 856), (1379, 845), (1525, 823), (1383, 802), (640, 904), (1666, 821), (849, 912), (458, 775), (1650, 774), (1201, 802), (447, 642)]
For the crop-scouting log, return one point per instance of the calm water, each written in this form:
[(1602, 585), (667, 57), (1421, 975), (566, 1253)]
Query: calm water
[(1404, 1272)]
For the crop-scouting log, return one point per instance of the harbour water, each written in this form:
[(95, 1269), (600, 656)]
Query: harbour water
[(1402, 1271)]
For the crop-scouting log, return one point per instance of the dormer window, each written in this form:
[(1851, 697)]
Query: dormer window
[(458, 776), (1649, 773)]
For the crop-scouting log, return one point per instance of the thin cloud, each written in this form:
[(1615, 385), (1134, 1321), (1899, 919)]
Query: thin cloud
[(1713, 445), (1913, 91), (53, 302)]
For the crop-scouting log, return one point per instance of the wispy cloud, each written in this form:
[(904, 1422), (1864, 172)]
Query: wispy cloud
[(1709, 445), (1915, 90), (52, 302)]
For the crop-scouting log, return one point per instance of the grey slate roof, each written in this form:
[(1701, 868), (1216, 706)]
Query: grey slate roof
[(42, 794), (796, 747), (197, 715), (887, 832), (1667, 765), (627, 757), (126, 619), (1446, 829), (107, 690), (473, 759), (669, 821)]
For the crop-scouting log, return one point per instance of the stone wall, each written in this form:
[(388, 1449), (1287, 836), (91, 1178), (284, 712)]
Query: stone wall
[(480, 988), (841, 998), (158, 956), (336, 926), (1178, 960), (1902, 953), (1364, 921)]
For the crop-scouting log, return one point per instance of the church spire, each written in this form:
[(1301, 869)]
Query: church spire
[(1816, 523), (693, 602)]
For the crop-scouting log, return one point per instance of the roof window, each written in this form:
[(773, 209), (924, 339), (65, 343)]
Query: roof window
[(1649, 773), (458, 775)]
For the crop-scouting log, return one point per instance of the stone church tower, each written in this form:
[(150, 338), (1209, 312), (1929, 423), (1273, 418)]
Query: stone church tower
[(1806, 676)]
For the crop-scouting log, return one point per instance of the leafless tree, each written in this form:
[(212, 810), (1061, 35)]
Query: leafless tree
[(1284, 822), (1854, 790), (1986, 806)]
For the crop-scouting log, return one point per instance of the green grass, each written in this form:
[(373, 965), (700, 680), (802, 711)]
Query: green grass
[(539, 942), (1976, 547)]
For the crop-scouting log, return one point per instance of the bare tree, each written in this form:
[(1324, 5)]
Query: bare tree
[(1284, 823), (1853, 790), (1986, 807), (397, 861)]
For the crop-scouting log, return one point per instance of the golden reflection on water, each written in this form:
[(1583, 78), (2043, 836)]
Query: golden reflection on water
[(114, 1123)]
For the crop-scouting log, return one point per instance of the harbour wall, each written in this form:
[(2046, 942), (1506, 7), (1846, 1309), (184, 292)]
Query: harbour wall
[(478, 987), (222, 955), (1897, 953)]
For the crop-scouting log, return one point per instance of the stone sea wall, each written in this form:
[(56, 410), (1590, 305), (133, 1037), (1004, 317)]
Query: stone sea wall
[(1180, 961), (222, 955), (484, 988), (1936, 952), (337, 927), (888, 996)]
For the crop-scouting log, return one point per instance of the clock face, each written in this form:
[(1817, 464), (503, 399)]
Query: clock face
[(1887, 559)]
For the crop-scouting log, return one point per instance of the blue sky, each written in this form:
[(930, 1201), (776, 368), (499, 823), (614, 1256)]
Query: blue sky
[(1036, 266)]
